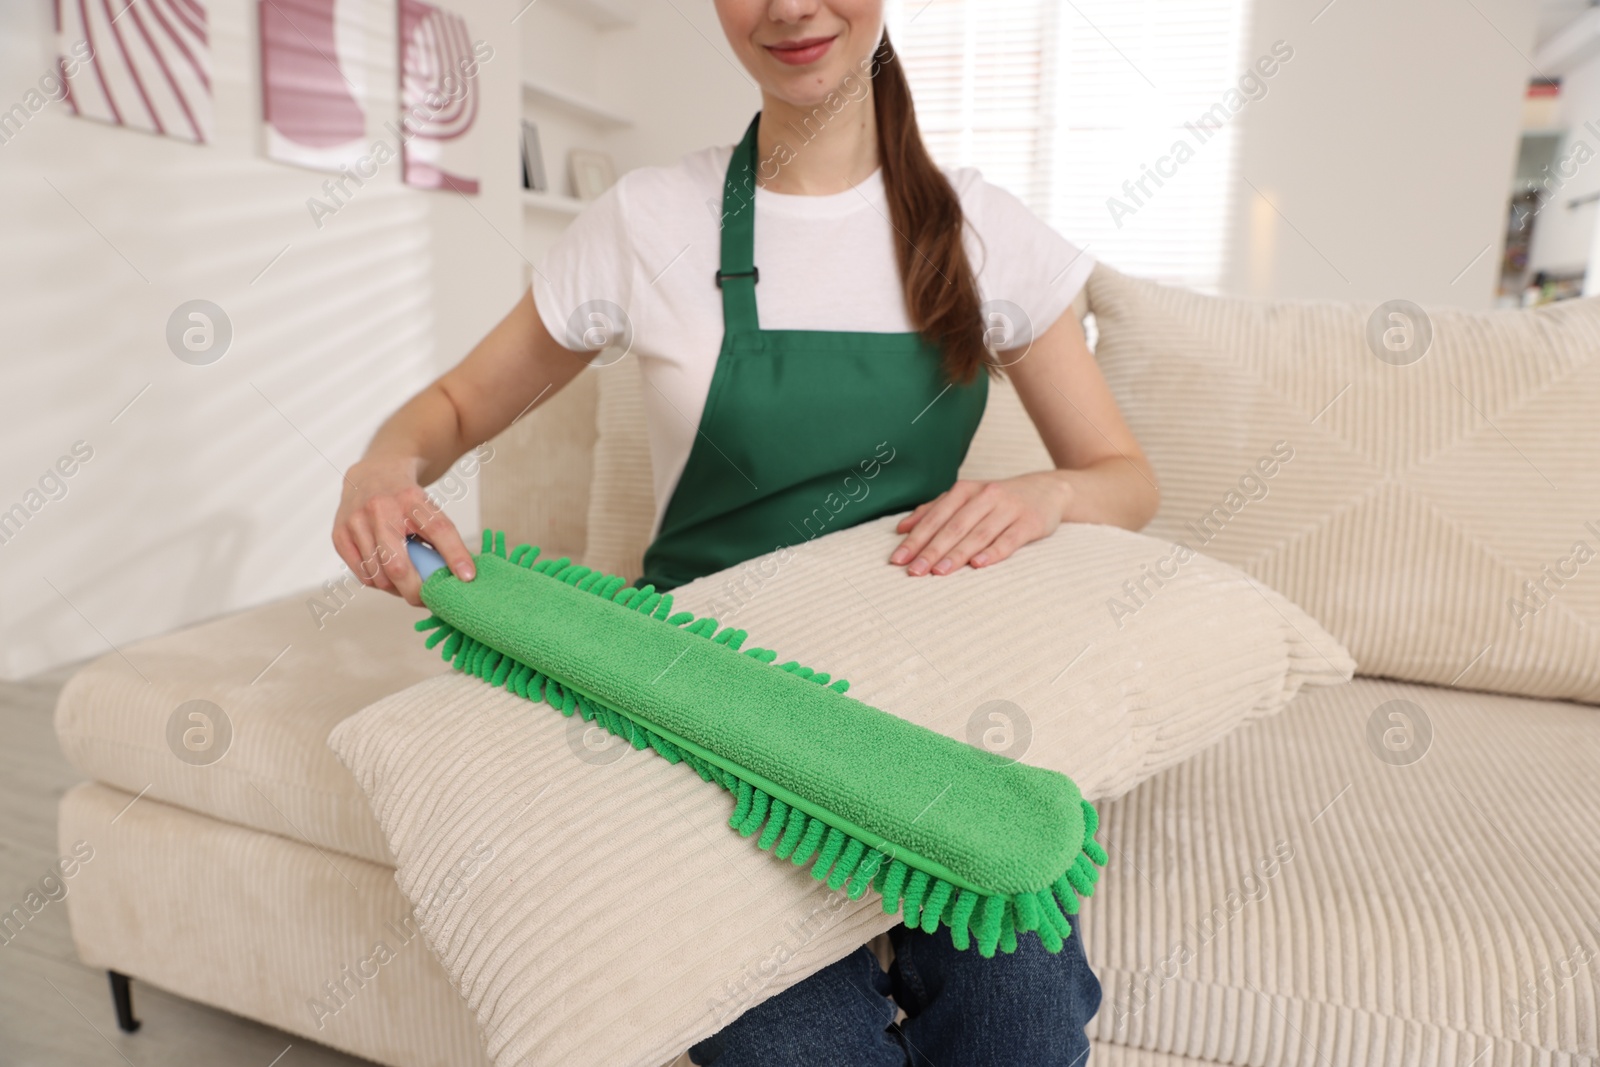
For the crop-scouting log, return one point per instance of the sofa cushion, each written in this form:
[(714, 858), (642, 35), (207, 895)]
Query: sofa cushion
[(535, 476), (267, 684), (286, 933), (1384, 874), (1436, 507), (1047, 654), (613, 862)]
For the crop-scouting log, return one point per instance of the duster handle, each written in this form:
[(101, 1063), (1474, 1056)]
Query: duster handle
[(423, 556)]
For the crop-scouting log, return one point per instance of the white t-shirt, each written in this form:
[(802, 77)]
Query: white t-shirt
[(651, 245)]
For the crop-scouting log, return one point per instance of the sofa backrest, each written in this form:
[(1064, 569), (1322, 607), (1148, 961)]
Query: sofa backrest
[(1424, 483), (535, 486)]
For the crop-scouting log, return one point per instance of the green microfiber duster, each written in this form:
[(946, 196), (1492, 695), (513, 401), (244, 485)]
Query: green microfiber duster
[(945, 832)]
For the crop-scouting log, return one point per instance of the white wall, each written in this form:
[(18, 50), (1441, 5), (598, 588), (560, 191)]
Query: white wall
[(215, 490), (682, 82), (1386, 149), (671, 72)]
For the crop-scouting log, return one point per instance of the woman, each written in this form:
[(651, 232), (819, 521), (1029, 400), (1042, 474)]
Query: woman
[(836, 270)]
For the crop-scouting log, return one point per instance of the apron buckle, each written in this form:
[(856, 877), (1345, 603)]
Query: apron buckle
[(753, 273)]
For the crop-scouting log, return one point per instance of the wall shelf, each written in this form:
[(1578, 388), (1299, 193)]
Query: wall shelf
[(552, 202), (575, 104)]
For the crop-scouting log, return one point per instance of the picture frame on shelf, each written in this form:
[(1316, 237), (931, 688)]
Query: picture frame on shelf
[(533, 172), (592, 172)]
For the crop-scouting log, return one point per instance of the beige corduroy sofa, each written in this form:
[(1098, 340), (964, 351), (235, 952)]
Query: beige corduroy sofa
[(1386, 873)]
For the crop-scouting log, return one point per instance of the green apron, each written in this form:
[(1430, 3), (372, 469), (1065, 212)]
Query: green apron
[(804, 432)]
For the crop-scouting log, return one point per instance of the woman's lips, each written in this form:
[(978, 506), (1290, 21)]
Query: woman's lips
[(799, 53)]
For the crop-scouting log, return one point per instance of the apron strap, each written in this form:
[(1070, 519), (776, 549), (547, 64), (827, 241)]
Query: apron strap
[(738, 275)]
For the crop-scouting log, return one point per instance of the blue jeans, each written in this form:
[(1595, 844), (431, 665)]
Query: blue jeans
[(1026, 1009)]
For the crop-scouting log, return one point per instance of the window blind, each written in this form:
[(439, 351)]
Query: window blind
[(1063, 102), (981, 78)]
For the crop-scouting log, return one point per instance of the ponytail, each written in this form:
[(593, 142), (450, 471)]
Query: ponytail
[(940, 290)]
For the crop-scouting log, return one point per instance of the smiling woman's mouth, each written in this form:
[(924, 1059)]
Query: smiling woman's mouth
[(799, 53)]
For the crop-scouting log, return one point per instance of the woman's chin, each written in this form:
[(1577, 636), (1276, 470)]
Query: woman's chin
[(807, 89)]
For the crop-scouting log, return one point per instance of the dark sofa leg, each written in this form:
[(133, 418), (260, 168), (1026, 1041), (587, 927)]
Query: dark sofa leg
[(122, 997)]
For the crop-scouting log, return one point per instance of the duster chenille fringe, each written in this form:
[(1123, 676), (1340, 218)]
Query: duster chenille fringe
[(801, 832)]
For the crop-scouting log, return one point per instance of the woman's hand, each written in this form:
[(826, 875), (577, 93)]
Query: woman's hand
[(381, 503), (981, 522), (503, 378), (1101, 475)]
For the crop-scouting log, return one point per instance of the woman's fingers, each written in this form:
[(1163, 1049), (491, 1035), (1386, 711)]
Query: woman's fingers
[(935, 557), (939, 510), (367, 567), (982, 535), (380, 506), (441, 533), (980, 523), (390, 530), (1010, 539), (345, 545), (905, 525)]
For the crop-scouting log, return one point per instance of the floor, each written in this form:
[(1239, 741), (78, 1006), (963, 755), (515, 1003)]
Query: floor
[(54, 1012)]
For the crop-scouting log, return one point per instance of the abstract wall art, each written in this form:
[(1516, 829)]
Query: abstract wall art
[(148, 64), (313, 78), (439, 97)]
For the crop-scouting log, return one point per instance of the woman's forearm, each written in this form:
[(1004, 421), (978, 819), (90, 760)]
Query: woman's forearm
[(424, 435), (516, 366), (1116, 491), (513, 369)]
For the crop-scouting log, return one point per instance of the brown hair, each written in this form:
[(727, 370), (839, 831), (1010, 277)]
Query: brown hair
[(940, 289)]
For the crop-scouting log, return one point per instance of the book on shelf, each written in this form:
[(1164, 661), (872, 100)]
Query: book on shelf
[(533, 173)]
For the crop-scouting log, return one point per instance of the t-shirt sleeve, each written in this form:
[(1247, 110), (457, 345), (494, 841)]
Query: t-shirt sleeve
[(591, 262), (1021, 261)]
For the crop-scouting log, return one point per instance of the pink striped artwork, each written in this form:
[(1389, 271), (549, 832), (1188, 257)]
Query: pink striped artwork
[(312, 79), (439, 95), (149, 66)]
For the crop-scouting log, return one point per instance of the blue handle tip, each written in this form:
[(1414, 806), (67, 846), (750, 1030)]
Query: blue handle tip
[(423, 556)]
